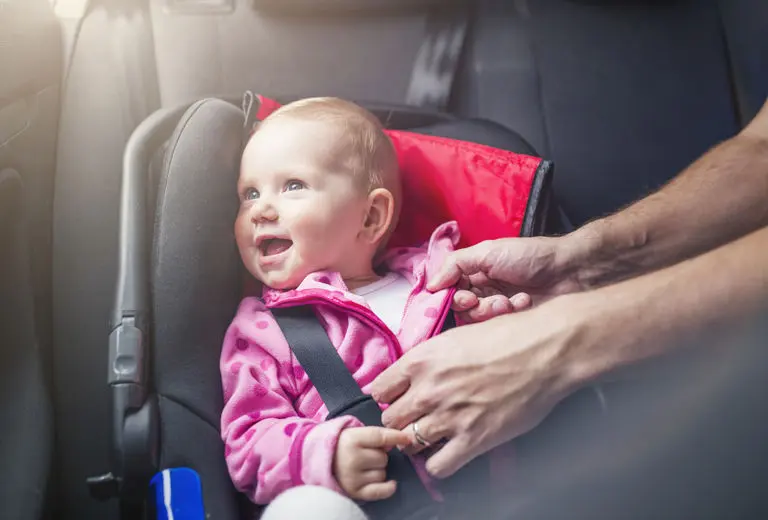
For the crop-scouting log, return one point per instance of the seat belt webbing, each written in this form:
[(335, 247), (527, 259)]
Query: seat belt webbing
[(437, 60), (340, 392), (320, 359), (317, 356)]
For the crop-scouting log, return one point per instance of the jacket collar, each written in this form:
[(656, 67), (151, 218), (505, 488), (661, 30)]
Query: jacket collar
[(416, 264)]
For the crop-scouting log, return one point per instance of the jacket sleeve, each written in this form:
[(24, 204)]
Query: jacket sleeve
[(269, 447)]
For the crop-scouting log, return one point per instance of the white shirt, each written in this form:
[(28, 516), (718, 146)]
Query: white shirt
[(387, 298)]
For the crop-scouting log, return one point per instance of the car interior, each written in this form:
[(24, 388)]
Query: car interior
[(101, 101)]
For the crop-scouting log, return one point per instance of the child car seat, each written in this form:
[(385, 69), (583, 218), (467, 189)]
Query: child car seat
[(180, 281)]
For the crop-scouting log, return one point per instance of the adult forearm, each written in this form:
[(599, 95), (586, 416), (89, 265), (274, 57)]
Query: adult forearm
[(649, 315), (720, 197)]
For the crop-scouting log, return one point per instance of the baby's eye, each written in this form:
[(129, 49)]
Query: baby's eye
[(294, 185), (250, 194)]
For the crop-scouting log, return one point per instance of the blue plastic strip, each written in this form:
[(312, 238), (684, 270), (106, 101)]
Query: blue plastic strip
[(178, 495)]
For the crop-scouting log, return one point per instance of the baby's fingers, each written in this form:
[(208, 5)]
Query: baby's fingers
[(377, 491), (521, 301), (373, 476), (378, 438)]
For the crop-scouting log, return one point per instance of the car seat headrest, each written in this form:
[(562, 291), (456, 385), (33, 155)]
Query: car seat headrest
[(491, 193)]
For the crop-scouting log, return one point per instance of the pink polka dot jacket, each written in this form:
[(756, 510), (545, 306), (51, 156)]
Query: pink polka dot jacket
[(273, 422)]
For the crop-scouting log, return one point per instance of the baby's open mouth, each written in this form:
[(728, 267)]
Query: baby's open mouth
[(274, 246)]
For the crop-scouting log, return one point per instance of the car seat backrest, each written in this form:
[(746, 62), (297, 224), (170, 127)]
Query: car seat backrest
[(255, 48), (745, 23), (26, 427), (621, 95)]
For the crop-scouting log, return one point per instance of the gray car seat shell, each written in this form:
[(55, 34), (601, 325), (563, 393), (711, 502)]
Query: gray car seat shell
[(176, 298)]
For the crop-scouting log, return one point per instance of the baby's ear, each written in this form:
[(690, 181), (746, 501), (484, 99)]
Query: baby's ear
[(380, 216)]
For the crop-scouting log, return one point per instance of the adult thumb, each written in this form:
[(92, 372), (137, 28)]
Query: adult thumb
[(458, 263)]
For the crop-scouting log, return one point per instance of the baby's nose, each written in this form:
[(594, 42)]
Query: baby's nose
[(265, 211)]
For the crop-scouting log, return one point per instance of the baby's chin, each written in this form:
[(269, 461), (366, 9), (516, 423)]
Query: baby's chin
[(280, 282)]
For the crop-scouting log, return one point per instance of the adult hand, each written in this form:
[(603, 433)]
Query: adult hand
[(502, 276), (479, 394)]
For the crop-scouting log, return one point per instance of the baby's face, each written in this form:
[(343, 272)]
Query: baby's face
[(300, 211)]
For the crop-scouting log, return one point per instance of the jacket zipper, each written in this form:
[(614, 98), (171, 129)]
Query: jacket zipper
[(393, 344), (446, 308), (416, 287), (395, 350)]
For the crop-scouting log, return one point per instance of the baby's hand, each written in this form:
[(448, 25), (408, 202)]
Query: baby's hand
[(473, 308), (360, 462)]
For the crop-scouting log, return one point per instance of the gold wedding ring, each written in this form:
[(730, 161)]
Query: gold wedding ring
[(421, 440)]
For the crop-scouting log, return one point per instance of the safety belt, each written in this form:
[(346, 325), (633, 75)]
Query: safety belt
[(324, 367), (342, 396), (437, 61)]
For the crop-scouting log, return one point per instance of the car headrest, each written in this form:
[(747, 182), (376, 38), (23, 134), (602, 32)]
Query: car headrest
[(490, 192)]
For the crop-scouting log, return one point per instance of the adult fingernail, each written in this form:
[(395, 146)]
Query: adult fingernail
[(520, 300), (499, 306)]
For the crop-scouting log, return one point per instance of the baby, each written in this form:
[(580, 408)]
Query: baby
[(319, 196)]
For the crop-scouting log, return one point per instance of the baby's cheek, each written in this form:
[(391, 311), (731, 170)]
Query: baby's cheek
[(327, 237), (317, 240), (242, 229)]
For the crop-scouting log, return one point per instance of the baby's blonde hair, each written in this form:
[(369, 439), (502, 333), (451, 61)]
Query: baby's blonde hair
[(369, 153), (371, 156)]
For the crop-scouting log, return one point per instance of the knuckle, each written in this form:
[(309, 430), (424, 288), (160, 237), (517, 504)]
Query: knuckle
[(421, 362), (377, 436), (485, 248), (424, 401), (476, 314), (430, 431), (467, 421), (416, 365), (381, 459)]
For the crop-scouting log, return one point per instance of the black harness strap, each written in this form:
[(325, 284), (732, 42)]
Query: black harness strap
[(317, 356), (342, 396)]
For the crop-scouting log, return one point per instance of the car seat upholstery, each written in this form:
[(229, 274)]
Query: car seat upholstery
[(30, 57), (111, 88), (286, 55), (744, 25), (621, 95), (26, 428)]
